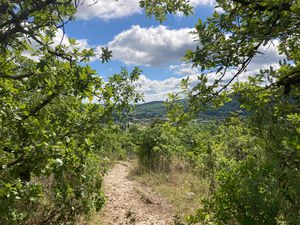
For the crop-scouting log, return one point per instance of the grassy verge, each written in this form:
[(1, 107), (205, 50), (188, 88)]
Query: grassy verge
[(180, 186)]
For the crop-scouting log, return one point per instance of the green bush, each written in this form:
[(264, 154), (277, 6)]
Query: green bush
[(155, 149)]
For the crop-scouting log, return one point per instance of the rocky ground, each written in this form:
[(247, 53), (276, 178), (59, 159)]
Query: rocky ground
[(129, 202)]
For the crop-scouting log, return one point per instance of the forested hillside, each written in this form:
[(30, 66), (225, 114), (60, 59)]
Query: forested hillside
[(158, 109), (58, 131)]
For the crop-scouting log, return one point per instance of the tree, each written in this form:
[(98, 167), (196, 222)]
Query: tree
[(262, 187), (231, 39), (49, 171)]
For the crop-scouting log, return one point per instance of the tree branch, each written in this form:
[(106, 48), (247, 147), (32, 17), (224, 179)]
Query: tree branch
[(260, 7), (16, 77), (35, 110)]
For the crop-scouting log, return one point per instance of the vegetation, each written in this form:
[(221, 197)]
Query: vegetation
[(56, 117), (158, 110), (50, 171), (180, 185), (257, 178), (252, 163)]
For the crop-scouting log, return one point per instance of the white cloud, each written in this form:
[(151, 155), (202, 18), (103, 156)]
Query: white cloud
[(159, 45), (107, 9), (207, 3), (270, 57), (152, 46), (61, 38), (184, 69), (115, 9), (196, 3), (155, 90)]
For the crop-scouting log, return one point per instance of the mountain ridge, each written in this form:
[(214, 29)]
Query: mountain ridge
[(157, 109)]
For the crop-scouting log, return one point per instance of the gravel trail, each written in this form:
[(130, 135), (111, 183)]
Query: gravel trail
[(129, 202)]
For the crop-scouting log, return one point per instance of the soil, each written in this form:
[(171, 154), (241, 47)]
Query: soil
[(129, 202)]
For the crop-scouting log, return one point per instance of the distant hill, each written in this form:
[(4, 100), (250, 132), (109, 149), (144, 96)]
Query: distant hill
[(149, 110), (157, 109)]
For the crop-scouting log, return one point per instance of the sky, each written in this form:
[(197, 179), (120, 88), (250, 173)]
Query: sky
[(157, 48)]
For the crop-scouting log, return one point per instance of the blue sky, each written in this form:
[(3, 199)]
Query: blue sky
[(137, 40), (100, 31)]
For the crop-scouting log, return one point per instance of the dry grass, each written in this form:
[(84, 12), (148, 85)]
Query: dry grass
[(94, 219), (180, 186)]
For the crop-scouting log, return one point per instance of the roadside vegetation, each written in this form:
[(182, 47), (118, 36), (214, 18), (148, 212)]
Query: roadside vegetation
[(61, 127), (180, 186)]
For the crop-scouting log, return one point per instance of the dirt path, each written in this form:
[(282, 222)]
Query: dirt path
[(128, 202)]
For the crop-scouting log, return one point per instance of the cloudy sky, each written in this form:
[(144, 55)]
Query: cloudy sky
[(137, 40)]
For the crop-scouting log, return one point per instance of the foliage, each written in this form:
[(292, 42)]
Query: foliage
[(156, 145), (49, 125), (50, 172), (113, 142), (256, 160), (253, 163), (160, 9), (228, 42), (255, 176), (53, 135)]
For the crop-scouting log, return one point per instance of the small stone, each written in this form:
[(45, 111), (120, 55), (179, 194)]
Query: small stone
[(190, 195)]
